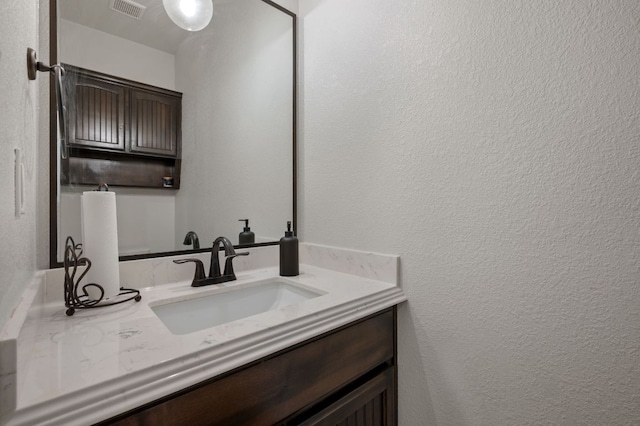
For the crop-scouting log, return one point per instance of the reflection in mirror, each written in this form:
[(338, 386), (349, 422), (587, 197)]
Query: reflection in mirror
[(236, 155)]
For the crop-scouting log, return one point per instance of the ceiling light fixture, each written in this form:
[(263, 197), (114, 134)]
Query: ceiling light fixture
[(192, 15)]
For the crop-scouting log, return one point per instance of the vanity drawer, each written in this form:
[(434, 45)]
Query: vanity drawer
[(272, 389)]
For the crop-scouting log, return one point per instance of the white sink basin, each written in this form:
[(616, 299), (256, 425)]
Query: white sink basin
[(226, 305)]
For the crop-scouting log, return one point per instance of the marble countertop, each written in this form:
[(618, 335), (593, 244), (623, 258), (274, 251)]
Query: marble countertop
[(99, 363)]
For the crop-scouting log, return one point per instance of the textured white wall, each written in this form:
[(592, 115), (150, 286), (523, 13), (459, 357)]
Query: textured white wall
[(96, 50), (18, 129), (495, 146), (236, 124)]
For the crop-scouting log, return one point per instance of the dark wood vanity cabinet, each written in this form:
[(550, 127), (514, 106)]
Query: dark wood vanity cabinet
[(121, 132), (344, 377)]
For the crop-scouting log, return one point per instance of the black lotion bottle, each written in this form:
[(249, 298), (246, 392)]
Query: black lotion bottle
[(289, 254), (246, 236)]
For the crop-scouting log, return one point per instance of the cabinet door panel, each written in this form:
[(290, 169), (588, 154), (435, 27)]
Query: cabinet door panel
[(154, 123), (372, 404), (96, 118)]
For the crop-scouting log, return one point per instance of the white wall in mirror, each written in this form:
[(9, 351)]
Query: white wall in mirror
[(96, 50), (138, 231), (291, 5), (239, 158), (237, 131), (140, 214)]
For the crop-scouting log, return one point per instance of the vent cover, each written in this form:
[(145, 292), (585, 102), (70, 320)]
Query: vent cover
[(128, 7)]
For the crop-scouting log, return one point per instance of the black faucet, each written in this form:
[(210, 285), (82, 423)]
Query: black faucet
[(215, 277), (192, 238)]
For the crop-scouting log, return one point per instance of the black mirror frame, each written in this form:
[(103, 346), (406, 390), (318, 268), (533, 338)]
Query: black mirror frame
[(53, 160)]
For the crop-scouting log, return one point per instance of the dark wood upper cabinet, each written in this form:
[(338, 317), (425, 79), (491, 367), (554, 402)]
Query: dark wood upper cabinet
[(121, 132)]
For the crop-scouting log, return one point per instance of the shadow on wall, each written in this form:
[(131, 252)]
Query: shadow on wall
[(415, 404)]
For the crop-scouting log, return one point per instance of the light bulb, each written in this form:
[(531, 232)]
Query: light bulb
[(192, 15)]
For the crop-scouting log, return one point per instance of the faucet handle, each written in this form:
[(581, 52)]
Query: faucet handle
[(228, 264), (199, 273)]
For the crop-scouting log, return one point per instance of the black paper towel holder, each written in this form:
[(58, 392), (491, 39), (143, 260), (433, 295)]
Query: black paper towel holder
[(73, 299)]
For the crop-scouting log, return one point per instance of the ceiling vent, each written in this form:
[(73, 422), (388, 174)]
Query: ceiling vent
[(128, 7)]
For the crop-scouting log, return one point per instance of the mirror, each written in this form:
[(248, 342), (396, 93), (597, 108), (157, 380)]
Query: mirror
[(238, 84)]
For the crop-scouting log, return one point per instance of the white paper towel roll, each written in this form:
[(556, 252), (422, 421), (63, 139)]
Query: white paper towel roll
[(100, 241)]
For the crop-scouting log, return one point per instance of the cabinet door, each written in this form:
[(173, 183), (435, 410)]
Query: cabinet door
[(96, 113), (155, 123), (372, 404)]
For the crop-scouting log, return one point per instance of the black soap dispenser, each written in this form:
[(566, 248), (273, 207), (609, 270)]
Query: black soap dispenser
[(246, 236), (289, 254)]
